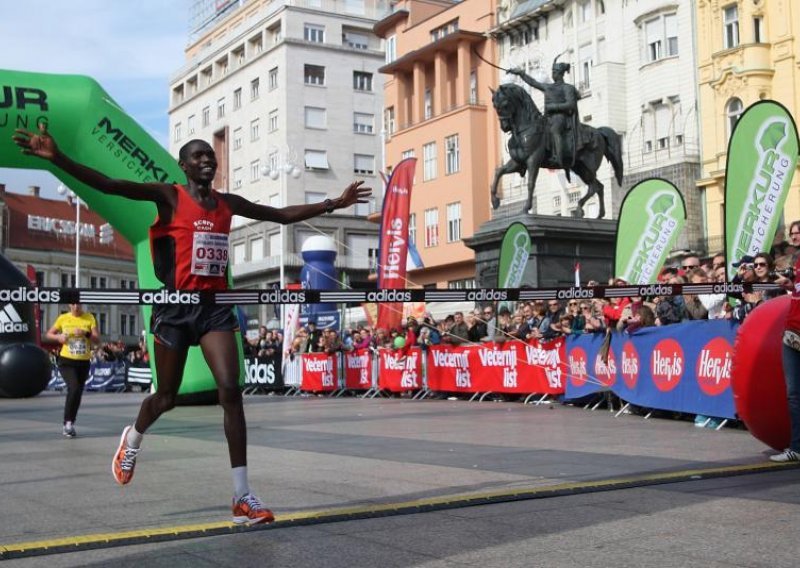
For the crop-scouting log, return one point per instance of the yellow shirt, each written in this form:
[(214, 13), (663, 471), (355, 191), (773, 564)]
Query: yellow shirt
[(77, 346)]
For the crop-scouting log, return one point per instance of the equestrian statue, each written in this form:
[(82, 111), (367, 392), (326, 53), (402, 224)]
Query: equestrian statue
[(555, 139)]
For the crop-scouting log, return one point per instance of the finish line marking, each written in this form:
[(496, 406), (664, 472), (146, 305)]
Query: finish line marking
[(301, 518)]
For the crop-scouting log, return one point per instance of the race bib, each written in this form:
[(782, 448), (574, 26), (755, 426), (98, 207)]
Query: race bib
[(77, 346), (209, 254)]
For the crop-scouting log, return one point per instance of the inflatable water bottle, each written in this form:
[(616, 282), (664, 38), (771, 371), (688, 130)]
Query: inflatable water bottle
[(319, 272)]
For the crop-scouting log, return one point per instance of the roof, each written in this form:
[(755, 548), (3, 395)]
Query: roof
[(36, 223)]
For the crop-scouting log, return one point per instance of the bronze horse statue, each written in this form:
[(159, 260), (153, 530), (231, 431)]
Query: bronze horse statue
[(529, 150)]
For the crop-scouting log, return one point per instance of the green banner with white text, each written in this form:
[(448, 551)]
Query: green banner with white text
[(514, 252), (762, 156), (650, 220)]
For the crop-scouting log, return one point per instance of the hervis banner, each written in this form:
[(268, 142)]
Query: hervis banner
[(92, 129), (651, 217), (762, 156), (514, 253)]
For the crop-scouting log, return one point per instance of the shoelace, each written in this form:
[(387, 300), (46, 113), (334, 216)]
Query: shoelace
[(128, 459), (252, 502)]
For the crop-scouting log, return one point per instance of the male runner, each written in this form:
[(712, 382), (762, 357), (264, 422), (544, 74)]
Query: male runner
[(189, 241)]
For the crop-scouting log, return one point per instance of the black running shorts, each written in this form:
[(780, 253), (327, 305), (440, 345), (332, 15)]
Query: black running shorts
[(178, 327)]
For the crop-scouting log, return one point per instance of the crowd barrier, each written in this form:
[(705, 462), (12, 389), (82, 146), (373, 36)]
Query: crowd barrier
[(103, 377), (683, 367)]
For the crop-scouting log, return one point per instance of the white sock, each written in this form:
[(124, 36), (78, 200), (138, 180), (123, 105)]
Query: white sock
[(134, 438), (67, 424), (240, 487)]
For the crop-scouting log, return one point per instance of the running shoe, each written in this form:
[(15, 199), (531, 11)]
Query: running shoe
[(69, 431), (787, 455), (124, 460), (249, 510)]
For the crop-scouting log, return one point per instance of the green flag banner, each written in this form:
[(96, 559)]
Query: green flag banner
[(762, 156), (92, 129), (651, 217), (514, 252)]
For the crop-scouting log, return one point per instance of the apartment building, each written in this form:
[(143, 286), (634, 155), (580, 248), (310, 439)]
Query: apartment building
[(289, 94), (437, 108), (634, 65), (747, 51)]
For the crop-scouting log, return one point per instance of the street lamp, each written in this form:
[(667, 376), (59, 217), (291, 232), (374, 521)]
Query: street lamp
[(70, 197)]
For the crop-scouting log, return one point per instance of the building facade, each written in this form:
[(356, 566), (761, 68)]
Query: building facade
[(747, 51), (634, 66), (289, 95), (437, 108), (41, 233)]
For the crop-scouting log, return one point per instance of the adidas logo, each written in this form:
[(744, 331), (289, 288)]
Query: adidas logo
[(10, 321)]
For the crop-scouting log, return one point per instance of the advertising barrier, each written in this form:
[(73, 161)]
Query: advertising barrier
[(320, 372), (263, 373), (684, 367)]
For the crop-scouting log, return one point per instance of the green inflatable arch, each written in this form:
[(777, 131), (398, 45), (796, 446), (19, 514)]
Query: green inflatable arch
[(92, 129)]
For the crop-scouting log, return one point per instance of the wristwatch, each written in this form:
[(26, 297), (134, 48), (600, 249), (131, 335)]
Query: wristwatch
[(329, 206)]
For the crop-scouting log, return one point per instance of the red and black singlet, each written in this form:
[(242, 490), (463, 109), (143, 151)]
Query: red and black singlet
[(191, 251)]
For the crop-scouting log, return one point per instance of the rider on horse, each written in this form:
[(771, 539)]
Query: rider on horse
[(561, 109)]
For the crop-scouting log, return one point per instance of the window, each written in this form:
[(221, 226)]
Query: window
[(362, 81), (354, 7), (364, 164), (205, 76), (238, 253), (221, 108), (237, 138), (391, 48), (364, 209), (412, 228), (473, 87), (316, 159), (661, 37), (176, 133), (355, 40), (67, 280), (255, 170), (272, 120), (273, 167), (730, 17), (254, 126), (428, 104), (102, 323), (407, 154), (363, 123), (444, 30), (314, 75), (272, 77), (206, 116), (314, 33), (316, 117), (275, 33), (464, 284), (222, 66), (257, 249), (758, 29), (429, 161), (237, 99), (601, 7), (453, 222), (388, 121), (312, 197), (254, 84), (568, 20), (557, 203), (733, 110), (452, 159), (98, 282), (190, 124), (585, 10), (431, 227), (256, 44), (585, 70), (275, 246), (237, 178), (574, 197)]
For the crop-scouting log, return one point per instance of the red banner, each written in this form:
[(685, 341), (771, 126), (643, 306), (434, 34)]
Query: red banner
[(358, 370), (511, 367), (394, 242), (37, 310), (398, 374), (319, 373)]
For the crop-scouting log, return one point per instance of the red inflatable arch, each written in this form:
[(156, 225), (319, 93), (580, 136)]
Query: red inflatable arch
[(759, 389)]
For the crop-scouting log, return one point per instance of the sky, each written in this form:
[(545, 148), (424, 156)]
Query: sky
[(131, 48)]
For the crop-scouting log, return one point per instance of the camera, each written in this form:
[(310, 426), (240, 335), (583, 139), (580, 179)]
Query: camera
[(785, 272)]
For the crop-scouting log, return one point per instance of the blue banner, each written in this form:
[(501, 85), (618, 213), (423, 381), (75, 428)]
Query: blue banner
[(684, 367)]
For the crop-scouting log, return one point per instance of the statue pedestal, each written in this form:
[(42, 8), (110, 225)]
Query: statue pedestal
[(557, 243)]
